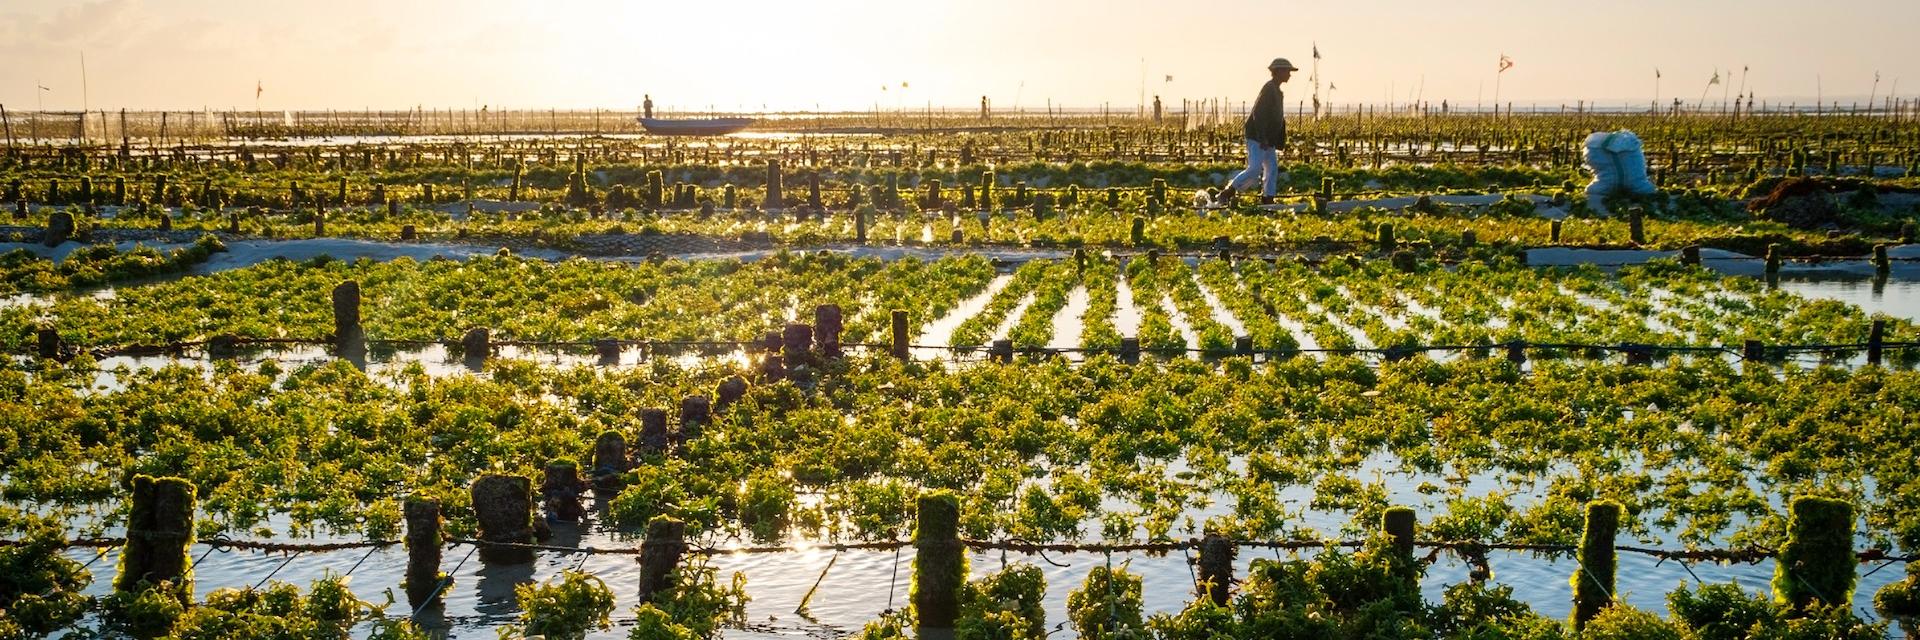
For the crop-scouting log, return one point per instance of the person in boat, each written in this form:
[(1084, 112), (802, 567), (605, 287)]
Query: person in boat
[(1266, 132), (646, 106)]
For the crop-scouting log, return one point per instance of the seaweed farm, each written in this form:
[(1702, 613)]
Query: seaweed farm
[(1197, 369)]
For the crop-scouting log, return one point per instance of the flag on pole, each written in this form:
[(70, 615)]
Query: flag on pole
[(1505, 63), (1316, 51), (1716, 78), (1656, 73), (257, 89), (1331, 86)]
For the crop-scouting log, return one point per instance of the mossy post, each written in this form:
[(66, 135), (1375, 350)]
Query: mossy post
[(59, 227), (477, 344), (939, 564), (1399, 523), (1001, 351), (347, 333), (159, 530), (423, 550), (826, 334), (1690, 255), (1881, 263), (729, 391), (986, 190), (1876, 341), (1593, 577), (653, 430), (1773, 258), (47, 341), (1817, 563), (774, 200), (1138, 236), (796, 344), (609, 459), (503, 508), (695, 413), (665, 543), (899, 329), (813, 192), (1216, 568), (1405, 261)]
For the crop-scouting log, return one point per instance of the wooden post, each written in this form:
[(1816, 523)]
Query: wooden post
[(1468, 238), (59, 228), (607, 350), (1216, 568), (223, 346), (1517, 352), (423, 551), (1243, 345), (346, 315), (609, 460), (1773, 258), (48, 340), (796, 344), (1399, 523), (1001, 351), (1881, 263), (695, 413), (659, 554), (729, 391), (1130, 350), (1690, 255), (774, 200), (408, 233), (859, 224), (1404, 261), (826, 335), (1753, 351), (1138, 236), (654, 437), (1876, 341), (939, 564), (560, 488), (503, 508), (1593, 584), (1553, 231), (1817, 564), (1383, 236), (900, 334), (159, 530), (477, 344)]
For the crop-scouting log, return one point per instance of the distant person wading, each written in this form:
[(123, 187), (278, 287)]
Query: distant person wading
[(1266, 133)]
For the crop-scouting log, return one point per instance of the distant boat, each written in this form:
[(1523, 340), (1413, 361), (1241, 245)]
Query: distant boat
[(694, 127)]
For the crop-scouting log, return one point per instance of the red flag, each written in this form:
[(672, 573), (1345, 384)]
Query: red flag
[(1505, 63)]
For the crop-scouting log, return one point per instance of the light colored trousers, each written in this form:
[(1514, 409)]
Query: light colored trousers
[(1263, 163)]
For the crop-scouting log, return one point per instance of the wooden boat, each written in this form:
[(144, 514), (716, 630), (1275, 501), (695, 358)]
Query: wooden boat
[(694, 127)]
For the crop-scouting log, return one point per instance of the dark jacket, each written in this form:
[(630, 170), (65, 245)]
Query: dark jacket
[(1267, 124)]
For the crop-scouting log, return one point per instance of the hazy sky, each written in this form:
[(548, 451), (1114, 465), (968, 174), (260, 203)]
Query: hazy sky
[(350, 54)]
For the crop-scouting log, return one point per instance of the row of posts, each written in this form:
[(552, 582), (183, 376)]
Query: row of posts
[(1817, 564), (801, 344)]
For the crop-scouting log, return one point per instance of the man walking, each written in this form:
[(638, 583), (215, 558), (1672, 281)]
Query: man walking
[(1266, 133)]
